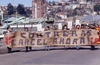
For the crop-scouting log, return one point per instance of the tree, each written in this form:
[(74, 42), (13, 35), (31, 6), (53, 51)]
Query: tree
[(28, 12), (53, 3), (10, 9), (21, 9), (97, 8)]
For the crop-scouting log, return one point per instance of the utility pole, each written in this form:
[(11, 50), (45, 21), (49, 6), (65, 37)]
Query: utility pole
[(1, 12), (2, 15), (63, 8), (93, 12), (15, 11)]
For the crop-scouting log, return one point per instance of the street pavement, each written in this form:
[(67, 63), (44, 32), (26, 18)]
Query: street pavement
[(56, 56)]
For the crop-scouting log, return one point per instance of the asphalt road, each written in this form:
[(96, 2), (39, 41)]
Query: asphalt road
[(57, 56)]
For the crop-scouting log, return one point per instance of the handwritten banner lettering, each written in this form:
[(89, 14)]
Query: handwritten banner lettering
[(55, 37)]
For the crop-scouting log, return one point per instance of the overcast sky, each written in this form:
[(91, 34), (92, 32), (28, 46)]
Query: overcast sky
[(16, 2)]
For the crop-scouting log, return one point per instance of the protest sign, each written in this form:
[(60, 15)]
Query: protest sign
[(55, 38)]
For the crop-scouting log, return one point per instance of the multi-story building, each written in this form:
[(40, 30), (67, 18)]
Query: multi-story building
[(39, 8), (4, 9), (82, 1), (97, 1)]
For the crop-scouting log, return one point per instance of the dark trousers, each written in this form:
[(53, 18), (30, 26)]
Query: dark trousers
[(9, 50), (28, 48)]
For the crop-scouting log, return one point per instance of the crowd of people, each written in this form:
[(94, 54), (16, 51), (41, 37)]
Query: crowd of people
[(65, 27), (47, 28)]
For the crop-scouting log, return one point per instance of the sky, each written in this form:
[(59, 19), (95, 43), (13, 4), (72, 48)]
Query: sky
[(16, 2)]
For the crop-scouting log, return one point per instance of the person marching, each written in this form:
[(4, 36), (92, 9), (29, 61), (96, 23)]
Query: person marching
[(78, 28), (65, 27), (8, 38), (28, 48), (47, 28)]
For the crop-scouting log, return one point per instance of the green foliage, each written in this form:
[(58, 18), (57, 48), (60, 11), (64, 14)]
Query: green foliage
[(21, 9), (10, 9), (28, 12), (97, 8)]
